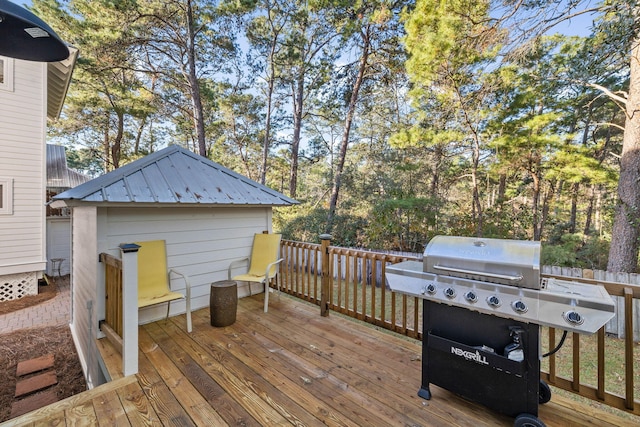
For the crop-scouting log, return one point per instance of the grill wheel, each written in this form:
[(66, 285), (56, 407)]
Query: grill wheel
[(528, 420), (545, 393)]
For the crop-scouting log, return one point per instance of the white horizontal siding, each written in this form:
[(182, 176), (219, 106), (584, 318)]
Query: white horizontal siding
[(58, 245), (201, 243), (22, 144), (85, 275)]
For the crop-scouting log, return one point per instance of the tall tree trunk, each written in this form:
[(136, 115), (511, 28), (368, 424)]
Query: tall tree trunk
[(267, 132), (297, 129), (535, 214), (477, 206), (623, 254), (106, 146), (344, 143), (194, 85), (589, 213), (546, 205), (271, 78), (116, 147), (136, 144), (438, 155), (502, 189), (574, 207)]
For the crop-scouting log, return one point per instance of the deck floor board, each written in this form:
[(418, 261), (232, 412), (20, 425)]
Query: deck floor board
[(289, 366)]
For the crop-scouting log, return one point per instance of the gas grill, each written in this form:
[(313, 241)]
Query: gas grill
[(483, 304)]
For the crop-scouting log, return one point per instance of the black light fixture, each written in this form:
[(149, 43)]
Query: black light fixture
[(25, 36)]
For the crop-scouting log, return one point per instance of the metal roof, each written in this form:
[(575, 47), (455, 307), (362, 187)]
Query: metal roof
[(172, 176), (58, 174)]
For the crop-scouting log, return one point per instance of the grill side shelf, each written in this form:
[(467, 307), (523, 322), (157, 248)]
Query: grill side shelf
[(475, 355)]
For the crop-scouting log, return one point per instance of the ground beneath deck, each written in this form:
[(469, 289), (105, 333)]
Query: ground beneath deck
[(41, 337)]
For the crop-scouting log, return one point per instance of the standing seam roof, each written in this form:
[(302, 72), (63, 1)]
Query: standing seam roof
[(175, 176)]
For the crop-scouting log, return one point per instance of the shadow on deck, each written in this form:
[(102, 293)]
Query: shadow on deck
[(287, 366)]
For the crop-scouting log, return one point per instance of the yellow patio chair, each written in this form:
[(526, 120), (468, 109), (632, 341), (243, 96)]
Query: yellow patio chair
[(263, 263), (154, 279)]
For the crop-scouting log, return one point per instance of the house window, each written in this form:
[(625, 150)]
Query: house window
[(6, 74), (6, 196)]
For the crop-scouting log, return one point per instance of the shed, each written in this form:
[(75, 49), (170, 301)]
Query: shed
[(59, 178), (206, 213)]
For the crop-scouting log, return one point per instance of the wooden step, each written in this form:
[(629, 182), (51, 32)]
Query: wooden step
[(33, 402), (34, 365), (38, 382)]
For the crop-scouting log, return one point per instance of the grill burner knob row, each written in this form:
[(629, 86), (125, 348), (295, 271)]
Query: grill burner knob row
[(471, 297), (450, 293), (494, 301), (519, 306)]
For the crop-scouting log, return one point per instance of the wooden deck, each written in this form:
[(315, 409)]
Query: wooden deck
[(287, 366)]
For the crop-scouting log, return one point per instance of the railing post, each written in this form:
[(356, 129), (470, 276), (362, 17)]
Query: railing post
[(129, 254), (324, 256)]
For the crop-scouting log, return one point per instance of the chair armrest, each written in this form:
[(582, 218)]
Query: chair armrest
[(235, 263), (266, 274), (184, 277), (187, 285)]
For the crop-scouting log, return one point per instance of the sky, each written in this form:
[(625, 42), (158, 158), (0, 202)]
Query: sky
[(578, 26)]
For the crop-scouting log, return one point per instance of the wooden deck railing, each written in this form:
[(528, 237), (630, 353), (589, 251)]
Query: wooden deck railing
[(113, 292), (357, 285), (598, 367), (611, 359)]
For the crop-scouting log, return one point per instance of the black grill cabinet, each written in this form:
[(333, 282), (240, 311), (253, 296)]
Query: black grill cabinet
[(453, 358)]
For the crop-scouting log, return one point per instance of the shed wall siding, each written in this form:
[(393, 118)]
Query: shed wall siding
[(201, 243), (59, 245), (22, 141), (85, 271)]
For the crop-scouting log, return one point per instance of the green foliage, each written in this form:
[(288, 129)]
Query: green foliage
[(402, 224), (446, 135), (576, 250), (306, 224)]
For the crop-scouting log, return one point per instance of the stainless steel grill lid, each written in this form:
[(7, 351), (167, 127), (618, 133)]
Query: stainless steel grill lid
[(508, 262)]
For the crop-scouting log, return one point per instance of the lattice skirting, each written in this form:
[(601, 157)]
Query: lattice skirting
[(14, 286)]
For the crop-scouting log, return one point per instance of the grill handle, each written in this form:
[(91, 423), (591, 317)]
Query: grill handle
[(479, 273)]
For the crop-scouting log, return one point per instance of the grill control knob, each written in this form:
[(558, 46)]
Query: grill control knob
[(431, 288), (450, 293), (519, 306), (573, 317), (471, 297), (494, 301)]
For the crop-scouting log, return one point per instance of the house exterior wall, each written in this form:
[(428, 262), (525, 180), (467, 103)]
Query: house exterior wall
[(22, 169), (201, 243)]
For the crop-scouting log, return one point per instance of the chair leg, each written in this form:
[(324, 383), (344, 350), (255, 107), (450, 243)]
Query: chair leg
[(168, 307), (189, 323), (266, 295)]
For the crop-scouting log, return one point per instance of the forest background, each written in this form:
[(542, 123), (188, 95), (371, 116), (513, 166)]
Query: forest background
[(390, 121)]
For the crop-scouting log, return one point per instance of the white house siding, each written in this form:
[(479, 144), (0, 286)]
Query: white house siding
[(201, 243), (59, 245), (85, 274), (22, 142)]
